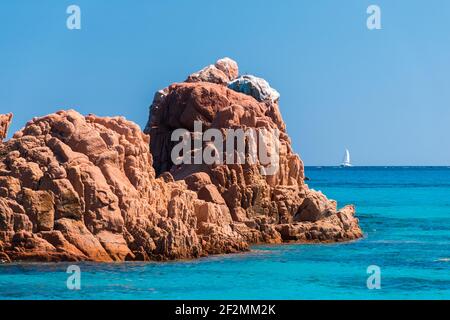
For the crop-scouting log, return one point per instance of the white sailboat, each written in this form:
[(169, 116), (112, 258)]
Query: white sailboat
[(346, 162)]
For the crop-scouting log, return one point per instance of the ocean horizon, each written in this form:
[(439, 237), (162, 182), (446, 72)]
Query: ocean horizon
[(405, 216), (355, 166)]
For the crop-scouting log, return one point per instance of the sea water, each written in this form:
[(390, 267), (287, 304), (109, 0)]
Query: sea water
[(405, 215)]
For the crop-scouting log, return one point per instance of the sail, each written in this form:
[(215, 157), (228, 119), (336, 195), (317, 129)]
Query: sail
[(346, 160)]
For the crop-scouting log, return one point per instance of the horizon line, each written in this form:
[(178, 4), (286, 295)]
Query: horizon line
[(382, 166)]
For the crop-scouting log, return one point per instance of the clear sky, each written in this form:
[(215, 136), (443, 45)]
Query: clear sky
[(384, 94)]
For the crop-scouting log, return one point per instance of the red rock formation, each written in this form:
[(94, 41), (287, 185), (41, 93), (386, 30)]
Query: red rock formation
[(263, 208), (84, 188)]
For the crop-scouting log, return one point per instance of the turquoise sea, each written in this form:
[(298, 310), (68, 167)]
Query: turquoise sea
[(405, 214)]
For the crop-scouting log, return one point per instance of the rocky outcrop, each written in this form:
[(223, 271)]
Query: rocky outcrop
[(264, 208), (83, 188), (76, 187)]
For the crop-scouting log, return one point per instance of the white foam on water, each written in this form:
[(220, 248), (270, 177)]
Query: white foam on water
[(443, 260)]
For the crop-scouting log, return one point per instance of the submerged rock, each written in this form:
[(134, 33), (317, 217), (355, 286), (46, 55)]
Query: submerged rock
[(76, 187)]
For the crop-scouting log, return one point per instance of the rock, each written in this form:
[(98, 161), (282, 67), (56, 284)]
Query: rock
[(210, 193), (28, 173), (5, 121), (57, 239), (256, 87), (166, 177), (4, 258), (222, 72), (115, 245), (9, 187), (212, 213), (158, 98), (39, 206), (229, 67), (77, 188), (67, 203), (209, 74), (263, 208), (77, 234), (198, 180), (22, 223), (240, 215), (32, 247), (314, 207)]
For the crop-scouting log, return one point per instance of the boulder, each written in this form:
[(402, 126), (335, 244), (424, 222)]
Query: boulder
[(315, 207), (198, 180), (229, 67), (222, 72), (210, 193), (256, 87)]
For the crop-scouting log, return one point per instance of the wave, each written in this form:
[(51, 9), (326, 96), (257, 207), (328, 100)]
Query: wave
[(442, 260)]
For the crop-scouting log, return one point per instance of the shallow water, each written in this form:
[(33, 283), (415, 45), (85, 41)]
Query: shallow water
[(404, 212)]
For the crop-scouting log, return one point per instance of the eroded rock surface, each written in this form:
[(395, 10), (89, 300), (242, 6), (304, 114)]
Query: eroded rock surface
[(76, 187), (83, 188)]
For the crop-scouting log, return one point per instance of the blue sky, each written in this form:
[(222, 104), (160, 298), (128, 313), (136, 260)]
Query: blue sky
[(384, 94)]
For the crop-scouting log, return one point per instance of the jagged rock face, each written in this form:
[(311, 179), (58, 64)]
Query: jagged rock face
[(264, 208), (83, 188)]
